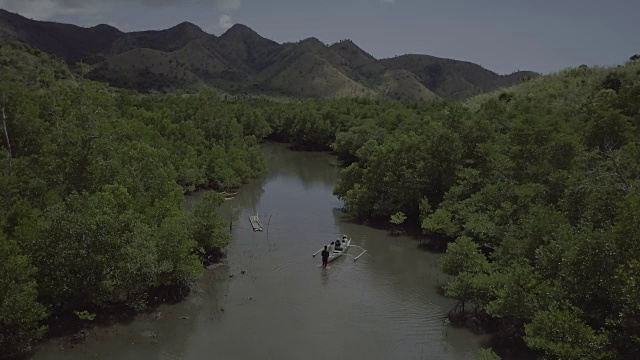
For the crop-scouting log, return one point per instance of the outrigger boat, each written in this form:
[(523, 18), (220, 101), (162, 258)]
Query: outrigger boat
[(337, 253)]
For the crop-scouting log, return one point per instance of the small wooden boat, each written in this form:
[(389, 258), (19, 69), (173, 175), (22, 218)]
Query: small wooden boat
[(337, 253), (228, 195)]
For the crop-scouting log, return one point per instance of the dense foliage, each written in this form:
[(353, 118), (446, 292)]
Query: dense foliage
[(92, 185), (539, 186), (536, 188)]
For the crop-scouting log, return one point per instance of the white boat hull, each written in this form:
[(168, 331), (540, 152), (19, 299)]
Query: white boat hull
[(337, 254)]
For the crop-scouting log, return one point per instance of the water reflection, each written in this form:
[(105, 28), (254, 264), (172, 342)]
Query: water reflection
[(164, 333), (246, 199), (310, 168), (325, 277)]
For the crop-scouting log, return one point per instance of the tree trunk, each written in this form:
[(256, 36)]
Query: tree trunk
[(6, 134), (608, 153)]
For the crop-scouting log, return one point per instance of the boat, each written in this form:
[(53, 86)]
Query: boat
[(228, 195), (336, 254)]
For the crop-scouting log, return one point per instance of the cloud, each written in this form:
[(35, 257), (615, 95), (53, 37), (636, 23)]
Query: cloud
[(218, 4), (228, 4), (45, 9), (225, 22)]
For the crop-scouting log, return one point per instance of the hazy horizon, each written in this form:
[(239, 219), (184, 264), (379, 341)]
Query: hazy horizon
[(502, 36)]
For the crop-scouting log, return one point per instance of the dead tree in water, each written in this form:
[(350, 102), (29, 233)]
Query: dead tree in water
[(457, 314), (269, 223), (234, 212)]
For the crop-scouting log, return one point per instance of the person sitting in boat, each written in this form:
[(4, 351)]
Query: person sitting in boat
[(338, 245), (331, 247), (344, 238)]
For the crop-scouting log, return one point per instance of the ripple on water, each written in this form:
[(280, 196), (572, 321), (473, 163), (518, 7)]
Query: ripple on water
[(165, 355), (371, 295), (408, 314), (284, 268)]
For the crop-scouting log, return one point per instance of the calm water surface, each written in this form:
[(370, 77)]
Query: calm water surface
[(284, 306)]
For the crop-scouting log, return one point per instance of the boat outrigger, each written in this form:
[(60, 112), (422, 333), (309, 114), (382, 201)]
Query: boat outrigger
[(337, 253)]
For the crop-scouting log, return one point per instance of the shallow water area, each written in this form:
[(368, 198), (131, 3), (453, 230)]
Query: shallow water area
[(271, 300)]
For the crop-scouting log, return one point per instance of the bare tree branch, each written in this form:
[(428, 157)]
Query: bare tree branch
[(608, 154), (6, 133)]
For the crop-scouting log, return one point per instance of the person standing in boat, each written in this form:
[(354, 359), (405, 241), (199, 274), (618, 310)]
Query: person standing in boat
[(331, 247), (325, 257)]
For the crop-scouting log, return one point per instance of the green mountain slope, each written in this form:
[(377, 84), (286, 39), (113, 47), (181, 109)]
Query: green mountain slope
[(240, 61), (452, 78)]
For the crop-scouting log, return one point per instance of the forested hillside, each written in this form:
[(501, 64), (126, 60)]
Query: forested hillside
[(91, 191), (535, 188), (184, 58), (539, 186)]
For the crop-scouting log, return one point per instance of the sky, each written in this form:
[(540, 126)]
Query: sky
[(501, 35)]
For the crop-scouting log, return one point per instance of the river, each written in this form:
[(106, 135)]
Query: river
[(271, 300)]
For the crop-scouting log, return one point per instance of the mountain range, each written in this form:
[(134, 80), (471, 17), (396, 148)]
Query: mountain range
[(240, 61)]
